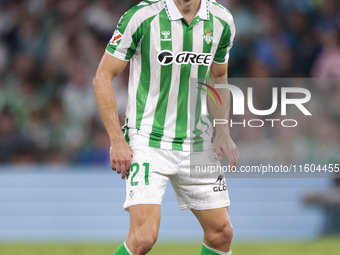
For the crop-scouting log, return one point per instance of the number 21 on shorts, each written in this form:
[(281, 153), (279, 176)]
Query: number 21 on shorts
[(134, 171)]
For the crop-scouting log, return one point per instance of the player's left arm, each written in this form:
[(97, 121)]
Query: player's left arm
[(223, 142)]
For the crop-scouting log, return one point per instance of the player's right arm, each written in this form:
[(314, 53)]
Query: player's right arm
[(119, 51), (120, 152)]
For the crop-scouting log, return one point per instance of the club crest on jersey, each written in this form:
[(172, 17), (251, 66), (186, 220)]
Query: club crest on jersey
[(117, 36), (208, 36), (165, 36)]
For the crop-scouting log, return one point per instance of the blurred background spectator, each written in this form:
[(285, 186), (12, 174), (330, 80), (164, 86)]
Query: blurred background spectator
[(50, 49)]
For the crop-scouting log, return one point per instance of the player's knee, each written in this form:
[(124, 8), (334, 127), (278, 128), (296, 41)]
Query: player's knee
[(227, 235), (146, 242), (220, 237)]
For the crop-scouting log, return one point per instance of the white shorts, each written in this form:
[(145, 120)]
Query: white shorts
[(152, 168)]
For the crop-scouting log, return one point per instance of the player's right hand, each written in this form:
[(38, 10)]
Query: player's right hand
[(120, 157)]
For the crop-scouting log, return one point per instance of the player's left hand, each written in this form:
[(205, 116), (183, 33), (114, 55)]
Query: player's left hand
[(224, 144)]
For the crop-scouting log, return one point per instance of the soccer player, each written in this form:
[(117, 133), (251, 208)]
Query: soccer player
[(168, 43)]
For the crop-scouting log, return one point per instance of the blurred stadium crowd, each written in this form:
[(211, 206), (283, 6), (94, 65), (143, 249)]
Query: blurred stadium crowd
[(49, 51)]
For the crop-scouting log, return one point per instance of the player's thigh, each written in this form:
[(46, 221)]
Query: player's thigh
[(214, 220), (145, 220), (147, 179)]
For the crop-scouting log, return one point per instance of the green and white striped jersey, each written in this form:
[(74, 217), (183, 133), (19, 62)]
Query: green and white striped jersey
[(165, 52)]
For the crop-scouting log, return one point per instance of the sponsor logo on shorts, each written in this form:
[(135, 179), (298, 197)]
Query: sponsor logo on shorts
[(222, 185)]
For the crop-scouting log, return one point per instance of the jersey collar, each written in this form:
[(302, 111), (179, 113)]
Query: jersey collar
[(174, 14)]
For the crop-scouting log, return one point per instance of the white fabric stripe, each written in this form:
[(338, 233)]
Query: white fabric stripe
[(226, 60), (127, 248), (138, 138), (193, 91), (117, 55), (171, 111), (206, 137), (134, 23), (221, 13), (136, 66), (218, 252), (227, 17), (233, 33), (218, 29), (155, 70)]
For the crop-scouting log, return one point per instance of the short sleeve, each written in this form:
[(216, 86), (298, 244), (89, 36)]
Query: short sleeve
[(125, 38), (226, 43)]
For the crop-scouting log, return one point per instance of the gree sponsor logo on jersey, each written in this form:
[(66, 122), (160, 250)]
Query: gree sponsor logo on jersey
[(117, 36), (166, 57), (165, 36)]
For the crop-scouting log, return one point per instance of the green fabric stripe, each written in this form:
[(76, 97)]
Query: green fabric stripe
[(129, 14), (126, 131), (198, 141), (202, 73), (144, 80), (165, 84), (183, 94), (208, 26), (223, 43), (210, 251), (123, 23), (135, 40), (121, 250)]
